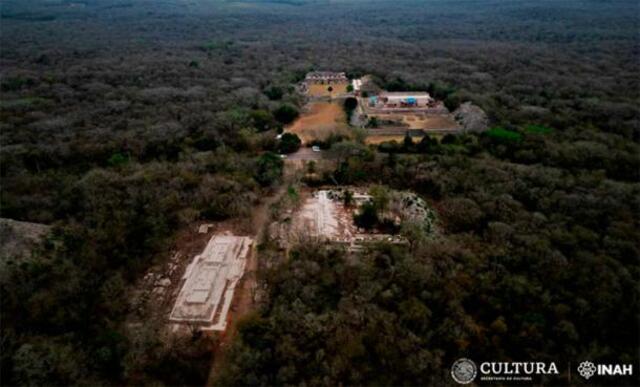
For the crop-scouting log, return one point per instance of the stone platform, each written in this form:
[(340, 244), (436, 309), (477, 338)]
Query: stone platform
[(209, 283)]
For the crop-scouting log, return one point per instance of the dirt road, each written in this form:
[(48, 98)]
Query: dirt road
[(305, 154), (244, 296)]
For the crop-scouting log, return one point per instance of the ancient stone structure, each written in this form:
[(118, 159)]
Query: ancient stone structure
[(209, 283)]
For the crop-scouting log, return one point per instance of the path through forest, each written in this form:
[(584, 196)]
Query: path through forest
[(244, 295)]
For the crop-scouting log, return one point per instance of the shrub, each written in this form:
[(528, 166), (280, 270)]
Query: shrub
[(367, 218), (263, 120), (286, 114), (350, 104), (117, 159), (274, 93), (289, 143), (503, 134), (269, 169)]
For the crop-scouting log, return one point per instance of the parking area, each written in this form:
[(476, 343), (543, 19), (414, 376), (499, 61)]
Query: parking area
[(305, 153)]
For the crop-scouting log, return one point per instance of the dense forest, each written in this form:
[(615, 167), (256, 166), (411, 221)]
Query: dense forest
[(122, 122)]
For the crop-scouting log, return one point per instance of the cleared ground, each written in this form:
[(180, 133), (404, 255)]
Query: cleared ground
[(438, 123), (419, 120), (322, 217), (305, 154), (375, 140), (323, 90), (17, 239), (319, 121)]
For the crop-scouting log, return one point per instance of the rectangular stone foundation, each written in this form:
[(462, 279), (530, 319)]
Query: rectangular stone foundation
[(209, 283)]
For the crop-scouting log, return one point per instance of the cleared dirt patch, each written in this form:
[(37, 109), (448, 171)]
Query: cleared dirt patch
[(323, 90), (17, 239), (419, 120), (375, 140), (319, 121)]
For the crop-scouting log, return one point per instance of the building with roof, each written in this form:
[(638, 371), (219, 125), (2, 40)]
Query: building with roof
[(403, 99), (356, 84), (326, 77)]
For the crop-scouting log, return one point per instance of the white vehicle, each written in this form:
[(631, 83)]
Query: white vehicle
[(279, 136), (315, 148), (283, 156)]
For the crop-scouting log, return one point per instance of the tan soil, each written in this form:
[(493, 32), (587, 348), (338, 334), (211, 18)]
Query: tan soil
[(321, 119), (420, 120), (18, 239), (323, 90), (375, 140)]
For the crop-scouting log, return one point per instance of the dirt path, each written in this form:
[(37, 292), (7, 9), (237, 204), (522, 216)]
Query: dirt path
[(244, 295)]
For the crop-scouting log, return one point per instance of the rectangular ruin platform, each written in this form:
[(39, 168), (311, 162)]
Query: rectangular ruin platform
[(324, 218), (209, 283)]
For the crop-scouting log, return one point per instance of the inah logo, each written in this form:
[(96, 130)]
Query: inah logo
[(586, 369), (464, 371)]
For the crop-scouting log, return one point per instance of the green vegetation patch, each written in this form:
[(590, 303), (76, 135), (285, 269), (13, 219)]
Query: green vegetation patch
[(118, 159), (502, 133)]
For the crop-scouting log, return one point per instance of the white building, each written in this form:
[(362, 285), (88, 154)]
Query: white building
[(357, 85), (326, 78), (404, 99)]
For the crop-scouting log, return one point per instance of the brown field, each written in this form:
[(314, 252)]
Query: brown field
[(321, 119), (323, 90), (379, 139), (375, 140), (420, 120)]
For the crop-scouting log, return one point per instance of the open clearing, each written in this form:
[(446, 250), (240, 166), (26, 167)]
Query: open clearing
[(17, 239), (319, 121), (420, 120), (375, 140), (324, 216), (323, 90)]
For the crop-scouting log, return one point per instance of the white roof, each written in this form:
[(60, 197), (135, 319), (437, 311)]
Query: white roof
[(404, 94), (325, 75)]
